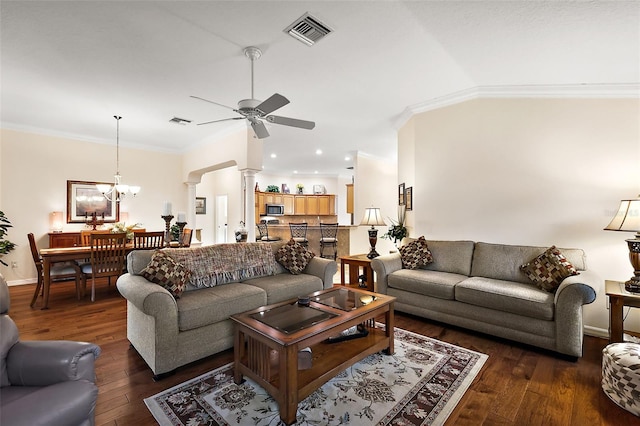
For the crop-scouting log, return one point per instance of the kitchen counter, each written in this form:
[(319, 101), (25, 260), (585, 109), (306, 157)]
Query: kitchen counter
[(282, 231)]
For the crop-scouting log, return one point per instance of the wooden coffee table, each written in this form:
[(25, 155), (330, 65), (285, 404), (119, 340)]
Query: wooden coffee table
[(268, 339)]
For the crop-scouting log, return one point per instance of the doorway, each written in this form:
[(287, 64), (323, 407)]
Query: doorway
[(221, 218)]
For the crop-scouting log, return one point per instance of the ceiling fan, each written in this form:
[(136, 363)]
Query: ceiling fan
[(256, 111)]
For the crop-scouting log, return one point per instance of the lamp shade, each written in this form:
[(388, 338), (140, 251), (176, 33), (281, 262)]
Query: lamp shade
[(627, 218), (55, 221), (373, 217)]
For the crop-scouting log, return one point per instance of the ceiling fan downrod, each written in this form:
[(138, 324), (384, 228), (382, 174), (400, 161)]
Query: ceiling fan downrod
[(252, 53)]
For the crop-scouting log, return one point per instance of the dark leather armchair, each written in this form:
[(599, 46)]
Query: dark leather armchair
[(47, 382)]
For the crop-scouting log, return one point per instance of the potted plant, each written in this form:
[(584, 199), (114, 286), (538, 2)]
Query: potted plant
[(397, 231), (6, 246), (300, 188), (273, 188), (123, 227)]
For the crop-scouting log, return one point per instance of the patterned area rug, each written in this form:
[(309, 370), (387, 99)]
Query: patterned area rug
[(419, 385)]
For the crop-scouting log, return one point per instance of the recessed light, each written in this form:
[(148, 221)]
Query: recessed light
[(295, 172), (347, 158), (273, 155), (318, 152), (316, 172)]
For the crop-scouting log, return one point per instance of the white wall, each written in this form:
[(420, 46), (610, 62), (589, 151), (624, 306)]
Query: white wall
[(531, 172), (35, 170)]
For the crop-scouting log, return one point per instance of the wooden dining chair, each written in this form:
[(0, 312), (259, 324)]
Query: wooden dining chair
[(299, 233), (148, 240), (61, 271), (187, 234), (108, 257), (85, 235)]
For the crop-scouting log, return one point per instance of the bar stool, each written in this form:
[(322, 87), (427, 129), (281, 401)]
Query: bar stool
[(299, 233), (329, 238), (263, 233)]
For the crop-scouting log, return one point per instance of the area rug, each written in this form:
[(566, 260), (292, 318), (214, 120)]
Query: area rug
[(418, 385)]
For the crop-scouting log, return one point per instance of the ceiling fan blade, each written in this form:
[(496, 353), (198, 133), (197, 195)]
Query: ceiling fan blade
[(293, 122), (224, 119), (273, 103), (215, 103), (259, 128)]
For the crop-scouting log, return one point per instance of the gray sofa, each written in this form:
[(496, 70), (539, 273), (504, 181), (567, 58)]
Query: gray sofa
[(480, 286), (44, 382), (169, 332)]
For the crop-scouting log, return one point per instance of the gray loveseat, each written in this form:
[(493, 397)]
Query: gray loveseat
[(169, 332), (480, 286)]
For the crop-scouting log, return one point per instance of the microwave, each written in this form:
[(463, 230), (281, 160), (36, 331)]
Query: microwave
[(275, 210)]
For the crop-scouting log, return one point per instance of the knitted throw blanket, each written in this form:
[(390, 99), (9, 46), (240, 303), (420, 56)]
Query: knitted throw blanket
[(225, 263)]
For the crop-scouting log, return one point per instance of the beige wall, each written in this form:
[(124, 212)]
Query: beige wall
[(528, 171), (35, 170)]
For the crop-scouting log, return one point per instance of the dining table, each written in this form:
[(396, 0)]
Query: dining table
[(62, 254)]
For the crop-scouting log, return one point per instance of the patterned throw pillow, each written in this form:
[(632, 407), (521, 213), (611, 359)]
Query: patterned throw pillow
[(549, 269), (294, 257), (164, 270), (415, 254)]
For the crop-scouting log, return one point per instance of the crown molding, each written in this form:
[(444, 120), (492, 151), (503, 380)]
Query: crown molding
[(567, 91)]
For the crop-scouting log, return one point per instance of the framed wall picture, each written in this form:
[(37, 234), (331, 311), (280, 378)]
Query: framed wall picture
[(401, 195), (84, 199), (201, 205), (409, 198)]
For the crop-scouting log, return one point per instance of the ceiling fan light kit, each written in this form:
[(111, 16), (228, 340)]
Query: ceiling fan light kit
[(255, 111)]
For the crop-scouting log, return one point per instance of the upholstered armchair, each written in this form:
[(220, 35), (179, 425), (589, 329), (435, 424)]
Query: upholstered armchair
[(44, 382)]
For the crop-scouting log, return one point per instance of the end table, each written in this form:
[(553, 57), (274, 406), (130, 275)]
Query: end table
[(356, 262), (619, 298)]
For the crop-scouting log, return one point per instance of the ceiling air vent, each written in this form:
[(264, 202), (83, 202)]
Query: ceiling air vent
[(182, 121), (308, 30)]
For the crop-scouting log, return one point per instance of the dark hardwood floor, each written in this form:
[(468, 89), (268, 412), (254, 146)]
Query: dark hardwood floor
[(519, 385)]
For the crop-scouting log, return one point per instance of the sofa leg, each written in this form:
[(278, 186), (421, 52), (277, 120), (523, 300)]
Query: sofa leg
[(158, 377)]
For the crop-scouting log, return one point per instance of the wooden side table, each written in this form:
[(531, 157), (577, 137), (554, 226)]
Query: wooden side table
[(619, 298), (356, 262)]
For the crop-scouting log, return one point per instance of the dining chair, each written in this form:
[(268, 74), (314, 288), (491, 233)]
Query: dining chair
[(148, 240), (263, 233), (329, 238), (61, 271), (85, 235), (187, 234), (299, 233), (108, 257)]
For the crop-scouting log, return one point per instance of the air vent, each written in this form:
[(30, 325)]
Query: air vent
[(178, 120), (308, 30)]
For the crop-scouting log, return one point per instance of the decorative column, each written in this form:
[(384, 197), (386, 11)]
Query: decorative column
[(191, 211), (249, 181)]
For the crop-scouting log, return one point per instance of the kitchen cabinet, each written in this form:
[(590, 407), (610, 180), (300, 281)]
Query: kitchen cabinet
[(296, 204), (289, 204), (350, 198), (312, 204), (300, 204)]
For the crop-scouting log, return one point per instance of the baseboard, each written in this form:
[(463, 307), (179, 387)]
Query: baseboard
[(21, 282), (596, 332)]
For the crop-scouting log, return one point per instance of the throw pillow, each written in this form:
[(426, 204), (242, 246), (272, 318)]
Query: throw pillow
[(165, 271), (294, 257), (549, 269), (415, 254)]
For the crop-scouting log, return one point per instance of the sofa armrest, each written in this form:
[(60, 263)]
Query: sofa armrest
[(46, 362), (322, 268), (150, 298), (383, 266), (575, 291)]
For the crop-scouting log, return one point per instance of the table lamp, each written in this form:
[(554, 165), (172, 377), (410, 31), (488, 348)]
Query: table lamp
[(373, 217), (628, 219)]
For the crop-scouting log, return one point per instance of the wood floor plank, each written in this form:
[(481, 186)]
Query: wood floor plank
[(519, 384)]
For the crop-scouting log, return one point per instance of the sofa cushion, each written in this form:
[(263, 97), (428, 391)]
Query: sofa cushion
[(506, 296), (286, 286), (451, 256), (165, 271), (207, 306), (415, 254), (429, 283), (294, 256), (549, 269), (502, 262)]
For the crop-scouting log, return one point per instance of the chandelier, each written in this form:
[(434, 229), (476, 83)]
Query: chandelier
[(118, 190)]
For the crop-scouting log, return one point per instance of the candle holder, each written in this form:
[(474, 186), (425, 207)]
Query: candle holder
[(167, 233), (94, 222), (181, 225)]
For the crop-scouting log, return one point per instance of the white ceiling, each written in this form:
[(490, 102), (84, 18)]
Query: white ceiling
[(68, 67)]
